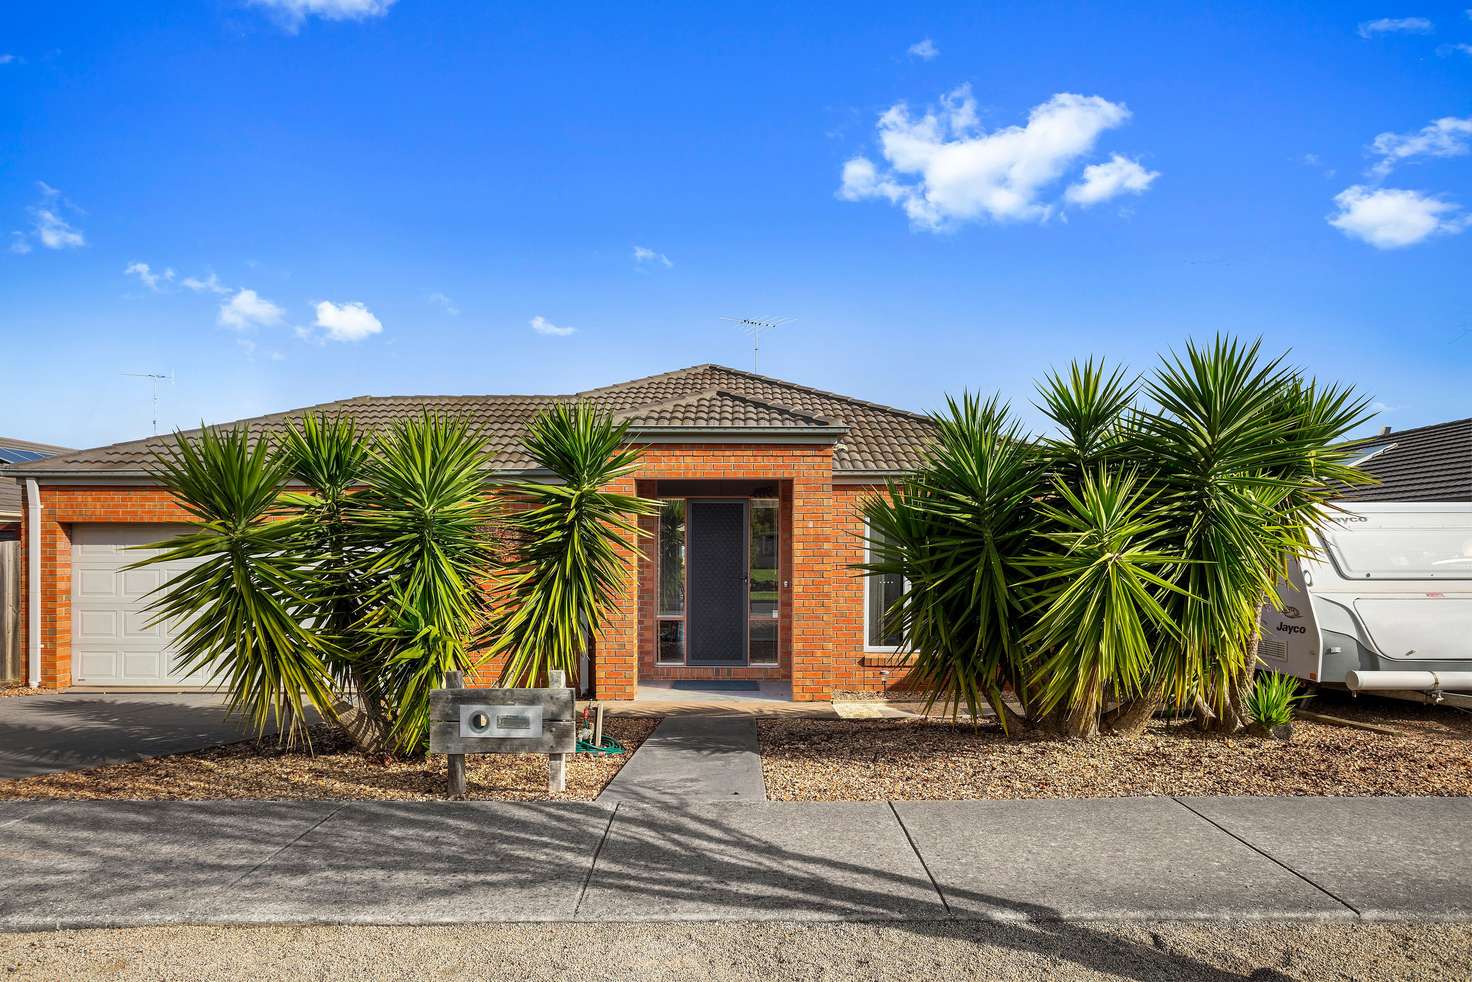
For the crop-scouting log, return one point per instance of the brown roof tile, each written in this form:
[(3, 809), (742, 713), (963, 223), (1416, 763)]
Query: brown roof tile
[(876, 439)]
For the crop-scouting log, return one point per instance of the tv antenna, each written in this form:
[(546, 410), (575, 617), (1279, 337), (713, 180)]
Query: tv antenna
[(154, 379), (755, 326)]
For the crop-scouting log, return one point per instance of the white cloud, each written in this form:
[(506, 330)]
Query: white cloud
[(147, 276), (8, 59), (924, 50), (56, 232), (210, 284), (292, 13), (1449, 136), (648, 257), (1464, 48), (960, 173), (1120, 175), (542, 325), (350, 321), (444, 303), (1396, 25), (50, 226), (1389, 218), (247, 309)]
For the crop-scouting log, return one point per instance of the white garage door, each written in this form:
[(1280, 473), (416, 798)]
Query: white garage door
[(112, 643)]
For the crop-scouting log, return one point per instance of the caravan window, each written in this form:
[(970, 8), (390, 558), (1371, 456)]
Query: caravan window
[(1402, 554)]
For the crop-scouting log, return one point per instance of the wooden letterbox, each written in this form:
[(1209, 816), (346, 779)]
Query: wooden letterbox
[(502, 721)]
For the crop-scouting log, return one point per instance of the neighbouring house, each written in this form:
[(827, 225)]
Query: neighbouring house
[(13, 451), (1428, 463), (746, 573)]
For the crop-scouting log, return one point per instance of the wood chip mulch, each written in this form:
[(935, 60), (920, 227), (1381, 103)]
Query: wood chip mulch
[(335, 771), (831, 760)]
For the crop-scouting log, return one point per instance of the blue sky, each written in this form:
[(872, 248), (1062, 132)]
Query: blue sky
[(388, 196)]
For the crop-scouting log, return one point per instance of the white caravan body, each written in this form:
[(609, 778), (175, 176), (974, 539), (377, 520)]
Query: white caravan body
[(1389, 591)]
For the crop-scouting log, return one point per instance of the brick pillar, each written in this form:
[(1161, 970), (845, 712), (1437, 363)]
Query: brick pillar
[(814, 575), (616, 672)]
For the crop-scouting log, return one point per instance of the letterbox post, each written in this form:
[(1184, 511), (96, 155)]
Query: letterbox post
[(456, 680), (557, 763)]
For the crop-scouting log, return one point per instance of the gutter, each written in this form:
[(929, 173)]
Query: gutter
[(33, 581)]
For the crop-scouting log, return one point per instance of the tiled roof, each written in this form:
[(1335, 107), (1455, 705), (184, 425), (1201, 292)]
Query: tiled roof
[(9, 490), (874, 438), (719, 408), (1429, 463)]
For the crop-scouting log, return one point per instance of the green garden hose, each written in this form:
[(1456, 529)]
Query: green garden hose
[(610, 746)]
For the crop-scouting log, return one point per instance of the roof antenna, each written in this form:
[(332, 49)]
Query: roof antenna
[(154, 379), (755, 326)]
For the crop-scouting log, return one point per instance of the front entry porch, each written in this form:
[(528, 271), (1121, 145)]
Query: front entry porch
[(715, 589)]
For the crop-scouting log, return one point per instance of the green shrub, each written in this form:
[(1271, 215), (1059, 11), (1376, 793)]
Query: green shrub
[(1271, 700)]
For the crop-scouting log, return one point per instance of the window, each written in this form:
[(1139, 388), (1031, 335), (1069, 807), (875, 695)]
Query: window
[(763, 572), (672, 581), (881, 592), (1402, 553)]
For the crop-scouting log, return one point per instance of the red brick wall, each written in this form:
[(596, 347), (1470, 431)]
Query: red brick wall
[(62, 506), (821, 621), (851, 674)]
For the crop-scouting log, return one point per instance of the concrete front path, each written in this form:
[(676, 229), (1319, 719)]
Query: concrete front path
[(73, 731), (100, 864), (691, 760)]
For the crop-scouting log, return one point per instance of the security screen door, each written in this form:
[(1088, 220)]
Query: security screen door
[(716, 581)]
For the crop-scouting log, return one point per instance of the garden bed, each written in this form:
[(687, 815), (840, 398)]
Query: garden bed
[(336, 771), (828, 760)]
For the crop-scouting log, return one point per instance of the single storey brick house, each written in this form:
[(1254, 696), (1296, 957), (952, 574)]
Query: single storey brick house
[(745, 574)]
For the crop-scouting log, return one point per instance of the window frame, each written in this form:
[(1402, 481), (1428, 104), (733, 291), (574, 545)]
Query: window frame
[(660, 619), (877, 649)]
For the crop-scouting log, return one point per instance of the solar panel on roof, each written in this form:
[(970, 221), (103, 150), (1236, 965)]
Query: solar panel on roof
[(15, 455)]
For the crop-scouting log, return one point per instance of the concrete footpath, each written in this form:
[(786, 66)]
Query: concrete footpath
[(101, 864), (693, 760)]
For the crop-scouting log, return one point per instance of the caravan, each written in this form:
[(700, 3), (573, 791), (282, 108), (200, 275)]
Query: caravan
[(1385, 606)]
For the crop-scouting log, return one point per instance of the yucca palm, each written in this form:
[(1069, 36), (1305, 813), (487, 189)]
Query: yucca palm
[(327, 457), (1242, 455), (240, 608), (1099, 617), (959, 532), (1090, 408), (422, 525), (573, 538), (1123, 560)]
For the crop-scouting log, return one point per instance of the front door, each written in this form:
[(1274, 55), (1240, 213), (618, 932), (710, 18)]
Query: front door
[(716, 583)]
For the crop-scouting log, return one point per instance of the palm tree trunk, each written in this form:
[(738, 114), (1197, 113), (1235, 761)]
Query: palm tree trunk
[(1129, 719), (1083, 718)]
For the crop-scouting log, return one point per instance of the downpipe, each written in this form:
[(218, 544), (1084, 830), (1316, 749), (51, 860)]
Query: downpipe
[(33, 584)]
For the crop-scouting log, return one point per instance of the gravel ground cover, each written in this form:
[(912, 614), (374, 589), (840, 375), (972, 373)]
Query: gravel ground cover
[(1057, 952), (336, 770), (8, 691), (825, 760)]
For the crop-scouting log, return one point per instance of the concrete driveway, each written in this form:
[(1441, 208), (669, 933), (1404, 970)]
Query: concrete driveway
[(75, 731)]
